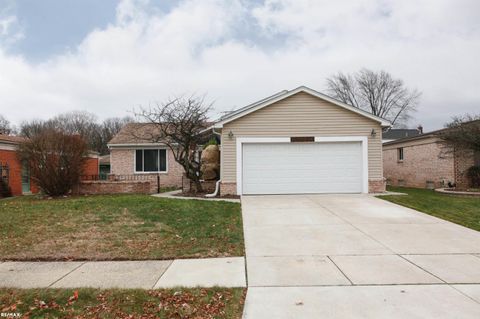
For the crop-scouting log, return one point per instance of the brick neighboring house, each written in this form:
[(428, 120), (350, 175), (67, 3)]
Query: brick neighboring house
[(19, 179), (424, 161), (132, 154)]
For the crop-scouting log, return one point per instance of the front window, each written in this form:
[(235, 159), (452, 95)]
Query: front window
[(150, 160)]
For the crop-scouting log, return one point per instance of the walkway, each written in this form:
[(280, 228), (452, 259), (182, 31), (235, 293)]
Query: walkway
[(207, 272)]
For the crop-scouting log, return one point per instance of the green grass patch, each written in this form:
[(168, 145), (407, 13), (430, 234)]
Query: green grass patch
[(461, 210), (115, 227), (124, 303)]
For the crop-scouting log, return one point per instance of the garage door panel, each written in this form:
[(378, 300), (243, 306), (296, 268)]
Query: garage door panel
[(290, 168)]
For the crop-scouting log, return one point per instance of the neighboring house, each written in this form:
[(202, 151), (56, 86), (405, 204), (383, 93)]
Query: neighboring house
[(398, 133), (424, 161), (300, 141), (133, 154), (19, 179)]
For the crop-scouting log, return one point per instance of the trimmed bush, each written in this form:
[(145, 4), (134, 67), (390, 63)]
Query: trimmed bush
[(473, 174)]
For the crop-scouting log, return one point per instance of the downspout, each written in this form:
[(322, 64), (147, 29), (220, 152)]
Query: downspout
[(217, 184), (217, 188)]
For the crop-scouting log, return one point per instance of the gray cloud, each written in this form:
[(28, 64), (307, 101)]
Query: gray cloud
[(238, 52)]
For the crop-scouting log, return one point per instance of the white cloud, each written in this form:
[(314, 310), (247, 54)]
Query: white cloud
[(147, 55)]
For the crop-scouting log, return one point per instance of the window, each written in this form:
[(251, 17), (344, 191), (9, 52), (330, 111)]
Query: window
[(400, 154), (151, 160)]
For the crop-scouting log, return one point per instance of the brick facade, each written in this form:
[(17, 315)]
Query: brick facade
[(377, 186), (91, 166), (114, 187), (425, 161), (15, 172), (122, 162), (228, 188), (464, 159), (374, 186)]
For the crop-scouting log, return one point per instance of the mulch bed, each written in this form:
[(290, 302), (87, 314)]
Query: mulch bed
[(202, 195)]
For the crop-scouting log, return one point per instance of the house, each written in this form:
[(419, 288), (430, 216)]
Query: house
[(398, 133), (134, 156), (15, 174), (300, 141), (18, 176), (424, 161)]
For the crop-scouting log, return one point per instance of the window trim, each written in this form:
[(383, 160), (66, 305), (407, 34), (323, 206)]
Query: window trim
[(400, 150), (143, 150)]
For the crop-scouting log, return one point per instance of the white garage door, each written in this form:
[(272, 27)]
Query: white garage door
[(300, 168)]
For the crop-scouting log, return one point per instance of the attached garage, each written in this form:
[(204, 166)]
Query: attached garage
[(300, 142), (290, 168)]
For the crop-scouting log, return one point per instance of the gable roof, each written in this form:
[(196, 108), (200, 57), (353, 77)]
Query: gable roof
[(426, 135), (395, 134), (285, 94), (135, 133), (11, 139)]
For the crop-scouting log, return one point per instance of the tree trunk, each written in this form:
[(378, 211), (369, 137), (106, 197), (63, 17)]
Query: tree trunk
[(198, 186)]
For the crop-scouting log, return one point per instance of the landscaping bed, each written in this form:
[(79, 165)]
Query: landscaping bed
[(118, 227), (459, 192), (461, 210), (125, 303), (202, 195)]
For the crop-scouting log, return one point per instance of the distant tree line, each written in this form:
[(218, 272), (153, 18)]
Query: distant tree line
[(96, 133)]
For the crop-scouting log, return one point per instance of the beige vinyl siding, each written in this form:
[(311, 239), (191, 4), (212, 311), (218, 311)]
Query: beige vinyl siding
[(301, 115)]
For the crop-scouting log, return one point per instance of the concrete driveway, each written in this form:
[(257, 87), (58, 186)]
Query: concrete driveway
[(356, 256)]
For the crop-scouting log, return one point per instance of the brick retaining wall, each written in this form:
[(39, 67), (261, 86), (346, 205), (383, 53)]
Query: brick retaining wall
[(114, 187)]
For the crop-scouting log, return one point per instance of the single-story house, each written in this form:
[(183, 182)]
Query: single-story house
[(424, 161), (300, 141), (18, 176), (132, 154)]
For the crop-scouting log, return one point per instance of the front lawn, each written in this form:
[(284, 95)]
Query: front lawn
[(464, 211), (115, 227), (114, 303)]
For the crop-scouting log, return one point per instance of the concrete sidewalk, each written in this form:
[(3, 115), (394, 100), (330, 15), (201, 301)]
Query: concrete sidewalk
[(149, 274)]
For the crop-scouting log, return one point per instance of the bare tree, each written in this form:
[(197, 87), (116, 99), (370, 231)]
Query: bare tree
[(179, 123), (463, 132), (5, 126), (376, 92), (56, 160), (108, 129), (85, 124)]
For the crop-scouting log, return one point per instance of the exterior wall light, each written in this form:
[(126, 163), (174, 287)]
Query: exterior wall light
[(373, 133), (230, 135)]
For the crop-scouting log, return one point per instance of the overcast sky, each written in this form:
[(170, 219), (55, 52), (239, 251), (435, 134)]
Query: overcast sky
[(108, 57)]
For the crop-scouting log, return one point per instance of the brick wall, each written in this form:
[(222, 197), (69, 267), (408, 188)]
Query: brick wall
[(424, 160), (464, 159), (15, 175), (228, 188), (113, 187), (91, 166), (122, 163), (376, 186)]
